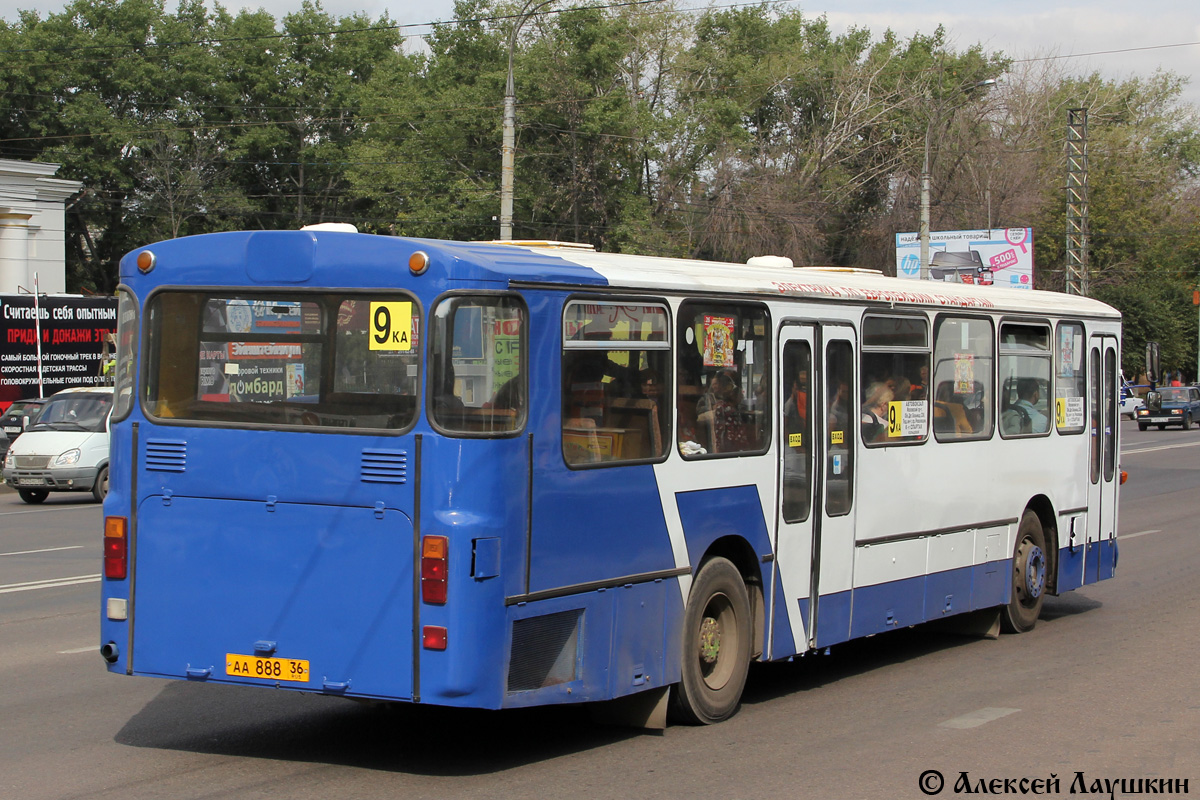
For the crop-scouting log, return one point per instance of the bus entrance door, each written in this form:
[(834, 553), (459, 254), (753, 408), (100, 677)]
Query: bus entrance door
[(814, 530), (1100, 557), (792, 578)]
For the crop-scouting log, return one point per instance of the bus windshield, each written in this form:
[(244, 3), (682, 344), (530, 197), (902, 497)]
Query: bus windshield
[(329, 360)]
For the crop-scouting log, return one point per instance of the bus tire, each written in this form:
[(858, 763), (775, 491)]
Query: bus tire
[(1029, 576), (33, 496), (716, 646), (100, 489)]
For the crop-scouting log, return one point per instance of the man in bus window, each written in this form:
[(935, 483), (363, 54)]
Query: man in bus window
[(1023, 416)]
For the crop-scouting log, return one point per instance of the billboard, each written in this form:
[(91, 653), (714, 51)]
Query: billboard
[(73, 335), (1001, 257)]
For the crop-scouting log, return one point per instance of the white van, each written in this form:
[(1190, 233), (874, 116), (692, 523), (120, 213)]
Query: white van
[(66, 450)]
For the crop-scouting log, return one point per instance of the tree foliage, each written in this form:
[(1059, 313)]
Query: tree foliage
[(724, 133)]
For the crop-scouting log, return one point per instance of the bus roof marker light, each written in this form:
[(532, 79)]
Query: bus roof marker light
[(418, 262), (146, 261)]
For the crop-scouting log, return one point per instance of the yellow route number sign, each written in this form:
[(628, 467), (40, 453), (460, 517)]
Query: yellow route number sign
[(391, 326)]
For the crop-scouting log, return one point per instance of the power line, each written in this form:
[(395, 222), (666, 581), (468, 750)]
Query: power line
[(1105, 52)]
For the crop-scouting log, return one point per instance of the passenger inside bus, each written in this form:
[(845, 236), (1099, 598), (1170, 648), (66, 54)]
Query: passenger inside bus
[(721, 414), (1023, 416), (875, 412)]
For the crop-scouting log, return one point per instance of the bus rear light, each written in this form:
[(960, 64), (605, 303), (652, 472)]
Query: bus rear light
[(435, 552), (434, 637), (116, 550)]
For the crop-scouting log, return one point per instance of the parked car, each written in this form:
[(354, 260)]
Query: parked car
[(66, 449), (19, 416), (1173, 405), (1130, 402)]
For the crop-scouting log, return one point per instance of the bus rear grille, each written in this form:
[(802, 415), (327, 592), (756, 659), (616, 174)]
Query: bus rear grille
[(384, 466), (166, 456), (545, 651)]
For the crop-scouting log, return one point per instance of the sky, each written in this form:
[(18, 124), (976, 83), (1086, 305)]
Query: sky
[(1119, 38)]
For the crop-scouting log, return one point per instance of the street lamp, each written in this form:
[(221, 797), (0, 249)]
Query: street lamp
[(508, 147), (923, 231)]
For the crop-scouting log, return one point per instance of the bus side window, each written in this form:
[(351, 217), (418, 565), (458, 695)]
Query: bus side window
[(962, 378), (723, 373), (895, 379), (614, 383)]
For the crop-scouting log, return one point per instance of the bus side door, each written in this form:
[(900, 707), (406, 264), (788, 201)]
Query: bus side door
[(1103, 469), (814, 530)]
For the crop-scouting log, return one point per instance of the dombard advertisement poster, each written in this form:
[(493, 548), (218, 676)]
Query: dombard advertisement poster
[(73, 335), (1000, 257)]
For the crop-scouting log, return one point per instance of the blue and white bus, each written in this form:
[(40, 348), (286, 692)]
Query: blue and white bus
[(496, 475)]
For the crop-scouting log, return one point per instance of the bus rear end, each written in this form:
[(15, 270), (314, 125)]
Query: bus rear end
[(262, 525)]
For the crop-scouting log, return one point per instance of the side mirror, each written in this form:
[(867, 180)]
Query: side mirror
[(1153, 374)]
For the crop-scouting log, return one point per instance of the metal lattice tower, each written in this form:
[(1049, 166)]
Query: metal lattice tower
[(1077, 202)]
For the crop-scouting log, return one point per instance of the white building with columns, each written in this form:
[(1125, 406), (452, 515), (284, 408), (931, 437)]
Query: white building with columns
[(32, 227)]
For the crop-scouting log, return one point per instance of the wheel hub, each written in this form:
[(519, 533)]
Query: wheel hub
[(710, 640), (1035, 572)]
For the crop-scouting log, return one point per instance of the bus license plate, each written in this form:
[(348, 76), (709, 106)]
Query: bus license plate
[(274, 669), (31, 481)]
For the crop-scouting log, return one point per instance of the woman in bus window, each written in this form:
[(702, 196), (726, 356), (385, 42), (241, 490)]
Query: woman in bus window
[(723, 413), (874, 412)]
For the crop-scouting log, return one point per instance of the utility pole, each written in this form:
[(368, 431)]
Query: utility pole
[(1077, 202), (508, 145), (923, 230)]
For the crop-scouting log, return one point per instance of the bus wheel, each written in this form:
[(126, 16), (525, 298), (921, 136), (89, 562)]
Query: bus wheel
[(1028, 577), (100, 490), (33, 496), (716, 645)]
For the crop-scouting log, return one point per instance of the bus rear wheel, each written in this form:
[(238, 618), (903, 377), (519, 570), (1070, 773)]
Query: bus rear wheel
[(716, 645), (1029, 574)]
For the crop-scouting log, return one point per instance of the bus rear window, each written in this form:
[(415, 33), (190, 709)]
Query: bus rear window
[(476, 381), (279, 360)]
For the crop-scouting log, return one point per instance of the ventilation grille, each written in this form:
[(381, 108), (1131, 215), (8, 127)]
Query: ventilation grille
[(545, 651), (166, 456), (384, 466)]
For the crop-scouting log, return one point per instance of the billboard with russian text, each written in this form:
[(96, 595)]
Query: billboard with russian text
[(72, 331), (1000, 257)]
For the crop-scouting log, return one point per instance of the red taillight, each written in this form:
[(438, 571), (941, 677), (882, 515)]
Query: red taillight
[(435, 551), (434, 637), (115, 549)]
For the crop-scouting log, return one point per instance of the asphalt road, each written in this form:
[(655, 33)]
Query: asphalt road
[(1106, 686)]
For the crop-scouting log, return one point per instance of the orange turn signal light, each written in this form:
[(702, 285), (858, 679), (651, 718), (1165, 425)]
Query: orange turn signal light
[(418, 262), (145, 261)]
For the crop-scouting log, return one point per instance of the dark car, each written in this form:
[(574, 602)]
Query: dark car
[(1172, 405), (19, 416)]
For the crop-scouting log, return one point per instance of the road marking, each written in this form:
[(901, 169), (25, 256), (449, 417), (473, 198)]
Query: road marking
[(1136, 451), (91, 649), (976, 718), (47, 550), (1122, 537), (44, 510), (52, 583)]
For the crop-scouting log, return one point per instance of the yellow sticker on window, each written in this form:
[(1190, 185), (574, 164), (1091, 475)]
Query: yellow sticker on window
[(837, 437), (391, 326), (794, 440), (1060, 411)]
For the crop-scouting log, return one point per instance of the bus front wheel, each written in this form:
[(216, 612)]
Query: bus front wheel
[(1029, 574), (716, 645)]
